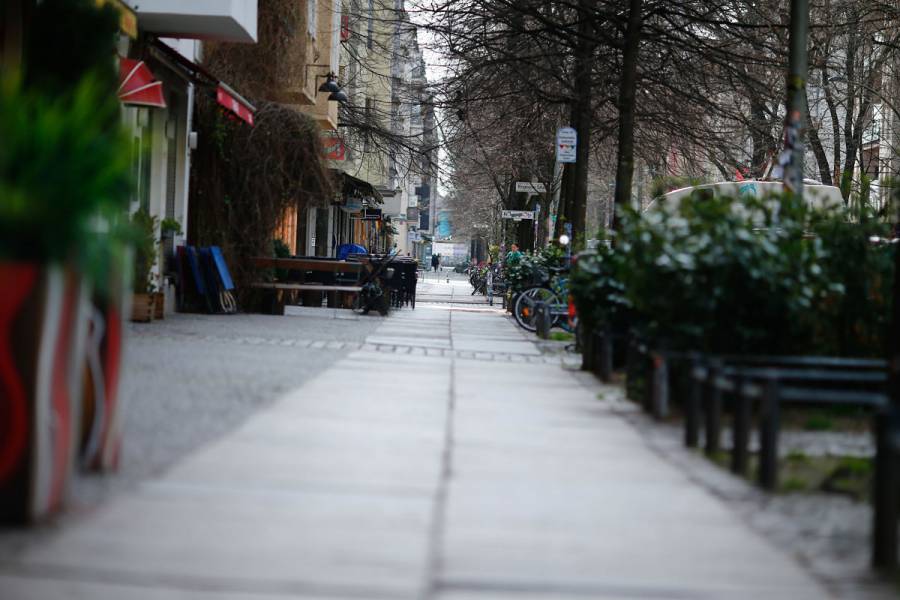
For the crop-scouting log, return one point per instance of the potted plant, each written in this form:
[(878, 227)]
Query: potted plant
[(64, 168), (168, 229), (44, 222), (143, 301)]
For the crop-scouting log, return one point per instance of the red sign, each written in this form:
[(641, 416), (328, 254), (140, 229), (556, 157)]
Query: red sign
[(224, 98), (345, 28), (334, 147)]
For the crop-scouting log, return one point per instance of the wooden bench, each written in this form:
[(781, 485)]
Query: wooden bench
[(284, 292)]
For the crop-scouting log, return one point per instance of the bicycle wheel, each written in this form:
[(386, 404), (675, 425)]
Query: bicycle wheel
[(523, 311)]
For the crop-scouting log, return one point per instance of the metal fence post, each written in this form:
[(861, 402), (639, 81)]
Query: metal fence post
[(740, 430), (605, 352), (693, 407), (587, 339), (886, 491), (649, 384), (713, 407), (542, 319), (768, 437), (660, 377)]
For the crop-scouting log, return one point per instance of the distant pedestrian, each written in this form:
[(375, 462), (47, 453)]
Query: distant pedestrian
[(435, 261), (514, 255)]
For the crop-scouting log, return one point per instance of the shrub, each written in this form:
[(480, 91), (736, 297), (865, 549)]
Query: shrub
[(721, 275), (143, 226), (532, 269), (727, 276), (598, 290)]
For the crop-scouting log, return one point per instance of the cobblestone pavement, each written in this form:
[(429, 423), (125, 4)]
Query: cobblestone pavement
[(192, 378)]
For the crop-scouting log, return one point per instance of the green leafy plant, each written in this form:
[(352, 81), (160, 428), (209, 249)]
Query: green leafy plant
[(759, 276), (853, 314), (722, 275), (62, 167), (65, 175), (532, 269), (597, 286), (143, 226), (280, 250), (169, 227), (818, 422)]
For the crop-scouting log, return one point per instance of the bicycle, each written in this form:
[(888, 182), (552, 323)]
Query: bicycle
[(495, 284), (554, 292)]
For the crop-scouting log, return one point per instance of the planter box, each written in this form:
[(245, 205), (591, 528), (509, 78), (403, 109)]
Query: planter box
[(43, 327), (102, 415), (142, 307), (159, 305)]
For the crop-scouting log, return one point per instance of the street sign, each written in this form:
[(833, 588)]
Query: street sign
[(530, 187), (566, 144), (517, 215)]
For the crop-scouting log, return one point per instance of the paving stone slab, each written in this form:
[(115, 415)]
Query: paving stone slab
[(42, 588), (243, 539)]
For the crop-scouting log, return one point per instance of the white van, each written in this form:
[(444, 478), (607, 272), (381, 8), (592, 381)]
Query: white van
[(816, 194)]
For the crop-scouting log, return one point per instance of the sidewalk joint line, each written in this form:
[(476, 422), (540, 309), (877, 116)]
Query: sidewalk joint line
[(434, 565)]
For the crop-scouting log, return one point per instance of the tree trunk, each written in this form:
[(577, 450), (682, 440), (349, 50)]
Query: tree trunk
[(816, 143), (625, 166), (760, 135), (576, 212)]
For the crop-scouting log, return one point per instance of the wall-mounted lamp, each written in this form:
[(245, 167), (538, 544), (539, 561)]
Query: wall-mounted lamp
[(331, 85), (336, 94)]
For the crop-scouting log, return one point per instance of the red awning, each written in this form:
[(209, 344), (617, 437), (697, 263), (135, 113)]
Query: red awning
[(233, 101), (138, 86), (203, 79)]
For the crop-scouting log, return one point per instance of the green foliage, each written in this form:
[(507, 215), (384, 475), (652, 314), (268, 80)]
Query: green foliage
[(280, 250), (562, 336), (59, 52), (721, 275), (599, 293), (532, 269), (143, 226), (818, 422), (170, 226), (797, 456), (747, 275), (794, 484), (854, 313), (64, 159), (63, 167), (856, 466)]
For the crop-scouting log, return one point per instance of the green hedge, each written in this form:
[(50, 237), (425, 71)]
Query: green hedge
[(724, 275)]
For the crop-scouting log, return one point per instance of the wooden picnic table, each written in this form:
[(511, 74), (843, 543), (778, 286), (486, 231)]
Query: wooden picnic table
[(340, 293), (307, 264)]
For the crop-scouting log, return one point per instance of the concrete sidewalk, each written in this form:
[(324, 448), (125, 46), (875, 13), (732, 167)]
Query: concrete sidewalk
[(429, 475)]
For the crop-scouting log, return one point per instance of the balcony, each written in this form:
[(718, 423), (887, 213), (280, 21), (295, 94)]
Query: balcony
[(223, 20)]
